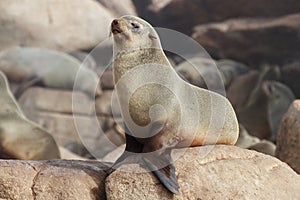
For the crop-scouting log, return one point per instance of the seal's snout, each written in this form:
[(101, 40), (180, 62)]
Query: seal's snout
[(115, 22), (115, 26)]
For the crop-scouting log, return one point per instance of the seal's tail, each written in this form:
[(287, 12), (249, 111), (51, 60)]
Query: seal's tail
[(166, 174)]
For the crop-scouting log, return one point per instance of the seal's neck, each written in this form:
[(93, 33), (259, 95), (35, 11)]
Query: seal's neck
[(125, 61)]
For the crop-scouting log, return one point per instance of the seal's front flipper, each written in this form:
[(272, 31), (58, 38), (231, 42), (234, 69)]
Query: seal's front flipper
[(132, 147), (163, 168), (28, 82)]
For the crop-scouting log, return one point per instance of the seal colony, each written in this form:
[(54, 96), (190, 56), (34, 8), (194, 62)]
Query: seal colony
[(20, 138), (160, 110)]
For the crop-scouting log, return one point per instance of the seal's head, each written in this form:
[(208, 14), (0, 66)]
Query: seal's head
[(131, 32)]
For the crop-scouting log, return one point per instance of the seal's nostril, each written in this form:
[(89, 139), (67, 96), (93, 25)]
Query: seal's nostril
[(115, 22)]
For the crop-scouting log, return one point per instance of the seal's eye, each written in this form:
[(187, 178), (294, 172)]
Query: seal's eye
[(135, 26)]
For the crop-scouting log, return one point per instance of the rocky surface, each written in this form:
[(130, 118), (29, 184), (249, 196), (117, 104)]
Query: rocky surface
[(58, 24), (210, 172), (119, 8), (103, 103), (252, 40), (55, 113), (249, 35), (86, 59), (288, 140), (59, 101), (56, 179), (183, 15), (73, 126), (107, 82), (226, 172)]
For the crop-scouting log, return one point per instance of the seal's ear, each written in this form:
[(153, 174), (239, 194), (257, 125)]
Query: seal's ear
[(152, 37)]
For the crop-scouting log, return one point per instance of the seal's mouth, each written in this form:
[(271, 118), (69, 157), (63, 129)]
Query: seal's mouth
[(116, 31)]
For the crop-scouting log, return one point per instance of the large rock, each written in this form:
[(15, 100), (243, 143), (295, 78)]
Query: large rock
[(52, 109), (57, 24), (59, 101), (107, 80), (73, 126), (182, 15), (119, 8), (57, 179), (103, 104), (226, 172), (252, 41), (288, 140)]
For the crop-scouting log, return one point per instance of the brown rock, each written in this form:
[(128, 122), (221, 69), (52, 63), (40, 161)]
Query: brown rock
[(58, 24), (226, 172), (107, 82), (119, 8), (252, 40), (62, 127), (103, 103), (56, 101), (288, 139), (57, 179), (52, 109), (86, 59), (115, 137), (106, 123), (182, 15), (103, 55)]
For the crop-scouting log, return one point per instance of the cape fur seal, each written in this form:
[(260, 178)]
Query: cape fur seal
[(266, 105), (20, 138), (160, 110), (50, 68)]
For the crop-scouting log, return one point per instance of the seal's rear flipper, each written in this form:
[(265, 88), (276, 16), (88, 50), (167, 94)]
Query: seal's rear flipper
[(30, 81), (166, 175)]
